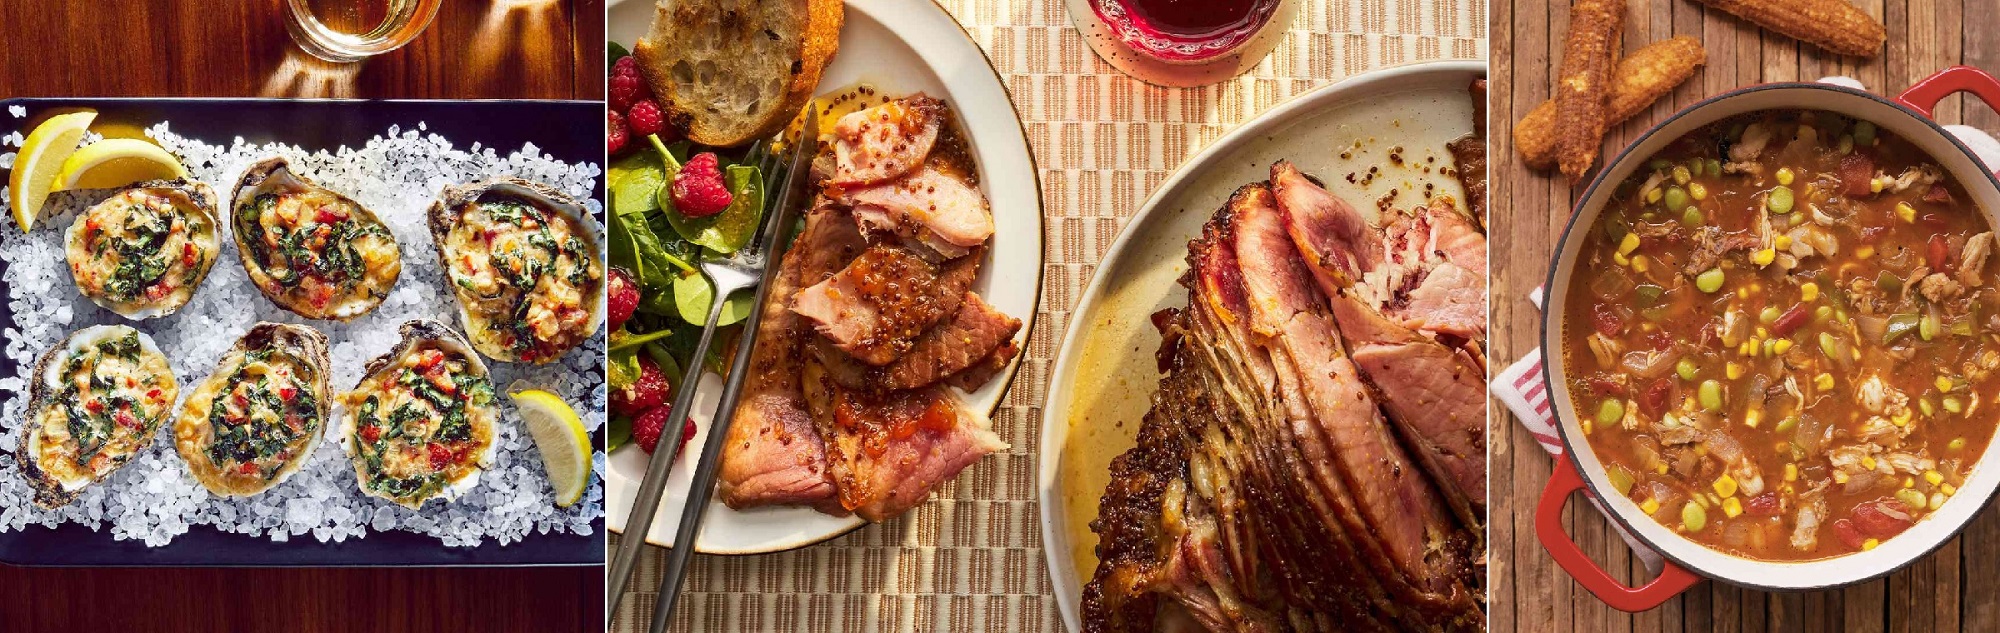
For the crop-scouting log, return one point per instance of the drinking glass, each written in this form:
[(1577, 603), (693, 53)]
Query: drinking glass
[(352, 30), (1182, 43)]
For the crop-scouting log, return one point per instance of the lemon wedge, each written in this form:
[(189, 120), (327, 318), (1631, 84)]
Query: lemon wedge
[(40, 160), (562, 440), (117, 162)]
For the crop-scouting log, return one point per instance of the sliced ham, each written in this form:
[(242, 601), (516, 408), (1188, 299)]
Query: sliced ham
[(1433, 394), (1336, 240), (774, 454), (881, 143), (1345, 431), (952, 346), (986, 369), (887, 452), (1426, 271), (928, 207), (876, 307)]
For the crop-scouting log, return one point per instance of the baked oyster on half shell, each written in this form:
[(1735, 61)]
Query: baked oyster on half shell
[(256, 419), (96, 399), (419, 425), (308, 248), (522, 258), (144, 251)]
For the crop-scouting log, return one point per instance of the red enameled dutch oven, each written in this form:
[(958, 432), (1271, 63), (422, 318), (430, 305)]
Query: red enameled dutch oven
[(1908, 117)]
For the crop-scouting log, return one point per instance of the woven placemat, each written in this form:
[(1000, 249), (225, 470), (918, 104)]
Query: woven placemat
[(971, 559)]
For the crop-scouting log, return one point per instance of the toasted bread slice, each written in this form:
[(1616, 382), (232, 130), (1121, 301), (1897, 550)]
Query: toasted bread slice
[(732, 71)]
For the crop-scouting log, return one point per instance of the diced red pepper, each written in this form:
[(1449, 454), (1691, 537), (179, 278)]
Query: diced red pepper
[(247, 468), (286, 393), (371, 433), (438, 378), (1791, 320), (153, 395), (441, 456), (429, 358), (95, 406), (125, 419), (188, 257), (330, 215), (155, 291)]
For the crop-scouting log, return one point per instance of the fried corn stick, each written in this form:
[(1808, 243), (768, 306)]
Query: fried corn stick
[(1584, 85), (1640, 79), (1833, 25)]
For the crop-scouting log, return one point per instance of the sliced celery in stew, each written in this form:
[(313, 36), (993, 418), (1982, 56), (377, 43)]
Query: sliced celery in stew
[(1784, 338)]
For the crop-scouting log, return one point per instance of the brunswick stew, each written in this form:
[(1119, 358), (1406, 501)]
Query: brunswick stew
[(1781, 337)]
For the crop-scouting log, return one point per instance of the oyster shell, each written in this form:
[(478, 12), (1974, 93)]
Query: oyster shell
[(419, 425), (308, 248), (96, 400), (522, 258), (144, 251), (253, 422)]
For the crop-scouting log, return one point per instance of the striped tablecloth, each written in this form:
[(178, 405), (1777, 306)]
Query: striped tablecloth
[(971, 559)]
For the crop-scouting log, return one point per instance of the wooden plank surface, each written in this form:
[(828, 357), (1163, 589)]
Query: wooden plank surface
[(476, 49), (1958, 587)]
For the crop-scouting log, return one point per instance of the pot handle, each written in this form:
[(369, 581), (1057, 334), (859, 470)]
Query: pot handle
[(1549, 529), (1927, 92)]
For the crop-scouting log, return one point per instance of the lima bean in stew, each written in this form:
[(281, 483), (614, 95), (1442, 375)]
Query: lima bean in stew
[(1781, 336)]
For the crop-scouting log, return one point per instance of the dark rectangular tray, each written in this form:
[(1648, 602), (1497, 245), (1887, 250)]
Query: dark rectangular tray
[(567, 130)]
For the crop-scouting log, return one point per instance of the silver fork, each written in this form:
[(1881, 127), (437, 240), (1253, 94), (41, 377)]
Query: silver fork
[(751, 267)]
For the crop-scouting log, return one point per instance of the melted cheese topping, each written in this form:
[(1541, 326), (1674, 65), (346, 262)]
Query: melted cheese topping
[(251, 422), (317, 253), (419, 426), (109, 397), (140, 249), (523, 275)]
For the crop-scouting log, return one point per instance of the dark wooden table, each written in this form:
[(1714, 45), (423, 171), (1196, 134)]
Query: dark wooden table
[(476, 49), (1958, 587)]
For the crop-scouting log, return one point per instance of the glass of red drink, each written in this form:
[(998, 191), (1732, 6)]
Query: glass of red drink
[(1182, 42)]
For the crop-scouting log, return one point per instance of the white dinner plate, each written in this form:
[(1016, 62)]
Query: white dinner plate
[(1105, 373), (899, 47)]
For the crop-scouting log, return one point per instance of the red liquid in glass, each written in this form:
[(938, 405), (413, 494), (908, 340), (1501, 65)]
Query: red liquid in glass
[(1185, 30), (1191, 18)]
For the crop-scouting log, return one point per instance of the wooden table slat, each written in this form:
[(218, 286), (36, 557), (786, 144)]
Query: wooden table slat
[(1957, 588)]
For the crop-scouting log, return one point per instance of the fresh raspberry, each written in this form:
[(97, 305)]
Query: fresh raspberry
[(626, 90), (646, 430), (616, 135), (622, 296), (646, 118), (650, 390), (698, 189), (627, 66)]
